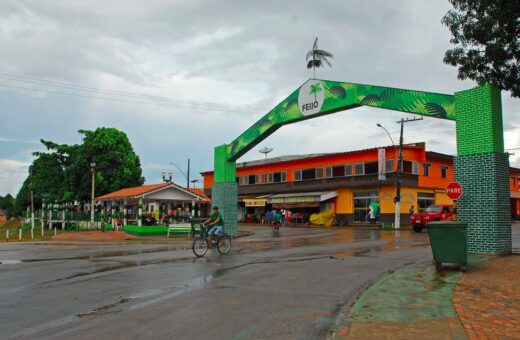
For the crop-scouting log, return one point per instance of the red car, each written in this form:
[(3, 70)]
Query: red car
[(437, 212)]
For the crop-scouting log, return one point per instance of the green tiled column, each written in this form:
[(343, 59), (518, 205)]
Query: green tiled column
[(224, 193), (482, 168)]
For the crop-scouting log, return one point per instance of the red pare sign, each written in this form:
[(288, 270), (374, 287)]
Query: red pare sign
[(454, 191)]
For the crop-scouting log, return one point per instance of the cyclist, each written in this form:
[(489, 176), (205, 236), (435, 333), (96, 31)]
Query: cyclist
[(216, 222)]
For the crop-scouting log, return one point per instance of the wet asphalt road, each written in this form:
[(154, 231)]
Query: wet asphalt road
[(292, 285)]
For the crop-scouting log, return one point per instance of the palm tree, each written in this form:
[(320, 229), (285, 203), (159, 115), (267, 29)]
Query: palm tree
[(317, 58)]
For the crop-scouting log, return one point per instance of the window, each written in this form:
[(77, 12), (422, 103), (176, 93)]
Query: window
[(277, 177), (424, 200), (371, 168), (250, 179), (410, 167), (238, 179), (359, 169), (444, 171), (264, 178), (319, 173), (389, 165), (415, 168), (513, 180), (297, 175), (328, 172), (426, 169), (362, 202), (406, 167), (338, 171), (348, 170), (308, 174)]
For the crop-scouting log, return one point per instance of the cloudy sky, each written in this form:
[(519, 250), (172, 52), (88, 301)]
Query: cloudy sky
[(180, 77)]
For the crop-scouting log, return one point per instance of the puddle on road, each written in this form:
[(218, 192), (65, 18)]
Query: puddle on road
[(10, 261), (396, 240), (150, 297)]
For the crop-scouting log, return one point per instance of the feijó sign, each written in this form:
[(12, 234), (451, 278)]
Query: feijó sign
[(454, 191)]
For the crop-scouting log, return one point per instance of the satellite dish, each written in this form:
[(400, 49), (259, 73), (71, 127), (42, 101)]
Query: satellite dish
[(265, 151)]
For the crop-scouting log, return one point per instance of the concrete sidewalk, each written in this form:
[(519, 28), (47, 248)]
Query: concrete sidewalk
[(418, 302)]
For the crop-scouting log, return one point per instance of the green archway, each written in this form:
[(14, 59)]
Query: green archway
[(481, 165)]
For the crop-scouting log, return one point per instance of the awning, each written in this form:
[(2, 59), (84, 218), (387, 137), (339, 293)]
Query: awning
[(301, 197), (515, 194), (255, 202), (296, 205)]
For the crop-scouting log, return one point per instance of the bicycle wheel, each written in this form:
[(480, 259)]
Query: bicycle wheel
[(200, 246), (224, 245)]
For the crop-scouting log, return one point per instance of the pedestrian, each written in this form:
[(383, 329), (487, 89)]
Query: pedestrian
[(411, 212), (268, 217), (372, 214), (288, 214)]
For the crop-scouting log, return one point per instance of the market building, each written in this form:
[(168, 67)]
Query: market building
[(346, 183), (162, 201)]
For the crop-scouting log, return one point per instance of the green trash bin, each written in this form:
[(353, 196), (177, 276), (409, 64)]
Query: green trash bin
[(449, 243)]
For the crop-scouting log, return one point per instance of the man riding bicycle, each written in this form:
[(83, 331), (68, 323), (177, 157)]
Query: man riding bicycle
[(216, 222)]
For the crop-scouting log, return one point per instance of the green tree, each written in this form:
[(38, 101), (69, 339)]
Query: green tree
[(47, 181), (63, 173), (7, 204), (117, 164), (486, 38)]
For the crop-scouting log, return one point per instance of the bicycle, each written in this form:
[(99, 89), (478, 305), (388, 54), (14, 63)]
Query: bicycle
[(201, 244)]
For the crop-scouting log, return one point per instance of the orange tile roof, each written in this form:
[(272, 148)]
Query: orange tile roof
[(134, 191), (200, 193), (143, 189)]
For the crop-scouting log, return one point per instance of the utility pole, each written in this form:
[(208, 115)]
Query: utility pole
[(184, 174), (32, 203), (397, 222), (93, 170), (188, 175)]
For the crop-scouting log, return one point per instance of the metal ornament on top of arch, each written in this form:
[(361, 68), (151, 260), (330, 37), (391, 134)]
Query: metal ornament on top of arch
[(478, 115)]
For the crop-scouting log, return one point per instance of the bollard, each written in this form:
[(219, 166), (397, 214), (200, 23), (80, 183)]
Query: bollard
[(7, 235), (55, 231), (20, 234)]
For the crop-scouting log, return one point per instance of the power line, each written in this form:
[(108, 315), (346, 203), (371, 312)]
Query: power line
[(122, 100), (136, 95)]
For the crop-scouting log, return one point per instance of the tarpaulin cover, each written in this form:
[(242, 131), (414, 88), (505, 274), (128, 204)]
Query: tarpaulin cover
[(325, 218)]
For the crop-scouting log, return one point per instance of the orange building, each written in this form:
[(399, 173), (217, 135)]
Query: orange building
[(347, 183)]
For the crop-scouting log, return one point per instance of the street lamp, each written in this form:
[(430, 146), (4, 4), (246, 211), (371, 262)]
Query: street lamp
[(185, 174), (388, 133), (166, 176), (397, 199), (193, 181), (93, 170)]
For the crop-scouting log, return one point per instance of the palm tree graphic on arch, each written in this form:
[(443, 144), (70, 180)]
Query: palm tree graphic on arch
[(315, 89)]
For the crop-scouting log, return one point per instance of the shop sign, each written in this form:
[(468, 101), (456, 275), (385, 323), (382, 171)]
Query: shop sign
[(255, 202), (299, 199), (381, 162)]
